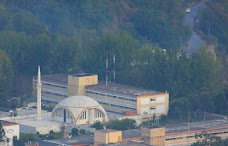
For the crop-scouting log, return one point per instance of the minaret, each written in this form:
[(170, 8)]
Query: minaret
[(39, 112)]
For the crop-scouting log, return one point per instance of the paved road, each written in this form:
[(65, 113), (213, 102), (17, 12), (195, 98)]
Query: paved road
[(195, 41)]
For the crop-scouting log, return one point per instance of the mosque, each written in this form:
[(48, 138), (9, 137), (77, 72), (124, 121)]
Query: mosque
[(70, 112)]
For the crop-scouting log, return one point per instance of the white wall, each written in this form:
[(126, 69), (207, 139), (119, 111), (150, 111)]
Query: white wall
[(160, 109), (47, 129), (145, 101), (160, 99), (11, 131), (145, 110)]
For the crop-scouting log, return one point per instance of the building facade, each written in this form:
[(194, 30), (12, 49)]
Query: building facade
[(113, 97)]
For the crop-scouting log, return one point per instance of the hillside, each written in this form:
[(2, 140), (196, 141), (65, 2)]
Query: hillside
[(68, 36)]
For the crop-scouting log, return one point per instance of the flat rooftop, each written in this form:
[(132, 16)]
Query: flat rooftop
[(6, 123), (107, 130), (83, 74), (61, 79), (120, 90), (110, 89), (183, 128), (197, 126)]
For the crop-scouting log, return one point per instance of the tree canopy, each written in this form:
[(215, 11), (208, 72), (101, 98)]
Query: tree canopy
[(6, 77), (78, 36)]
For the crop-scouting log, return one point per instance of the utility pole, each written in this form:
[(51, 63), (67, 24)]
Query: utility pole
[(114, 66), (106, 67), (209, 28)]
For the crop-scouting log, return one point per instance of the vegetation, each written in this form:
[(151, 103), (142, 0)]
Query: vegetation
[(124, 124), (74, 131), (2, 132), (6, 77), (17, 142), (75, 36), (98, 125), (209, 139), (213, 20), (25, 137), (82, 131)]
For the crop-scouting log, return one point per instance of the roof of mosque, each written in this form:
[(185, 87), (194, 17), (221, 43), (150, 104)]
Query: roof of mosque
[(78, 102)]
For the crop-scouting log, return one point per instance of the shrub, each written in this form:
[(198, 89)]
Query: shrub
[(74, 131), (82, 131)]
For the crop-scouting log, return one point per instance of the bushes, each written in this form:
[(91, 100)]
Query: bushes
[(124, 124), (82, 131), (74, 131), (97, 125)]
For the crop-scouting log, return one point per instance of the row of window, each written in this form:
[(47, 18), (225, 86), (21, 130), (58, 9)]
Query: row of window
[(83, 115), (60, 113), (113, 96), (56, 94), (54, 85), (98, 114), (117, 105)]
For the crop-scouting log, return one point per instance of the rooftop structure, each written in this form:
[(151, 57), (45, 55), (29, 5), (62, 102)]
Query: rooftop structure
[(60, 79)]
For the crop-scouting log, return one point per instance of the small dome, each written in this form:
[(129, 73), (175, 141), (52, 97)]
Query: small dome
[(78, 101)]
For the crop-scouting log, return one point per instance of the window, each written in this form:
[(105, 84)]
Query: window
[(152, 108), (83, 115), (152, 99)]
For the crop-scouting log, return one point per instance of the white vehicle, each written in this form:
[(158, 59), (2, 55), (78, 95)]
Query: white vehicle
[(188, 10)]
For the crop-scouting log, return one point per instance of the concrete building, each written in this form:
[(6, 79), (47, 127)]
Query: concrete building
[(107, 136), (79, 110), (11, 129), (113, 97)]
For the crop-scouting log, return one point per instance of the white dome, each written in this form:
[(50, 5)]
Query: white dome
[(76, 105), (78, 101)]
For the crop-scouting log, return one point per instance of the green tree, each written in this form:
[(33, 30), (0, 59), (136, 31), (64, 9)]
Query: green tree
[(2, 132), (209, 139), (65, 55), (3, 17), (6, 77), (74, 131), (41, 52), (122, 45), (26, 22), (206, 81), (124, 124), (82, 131), (18, 46), (98, 125)]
